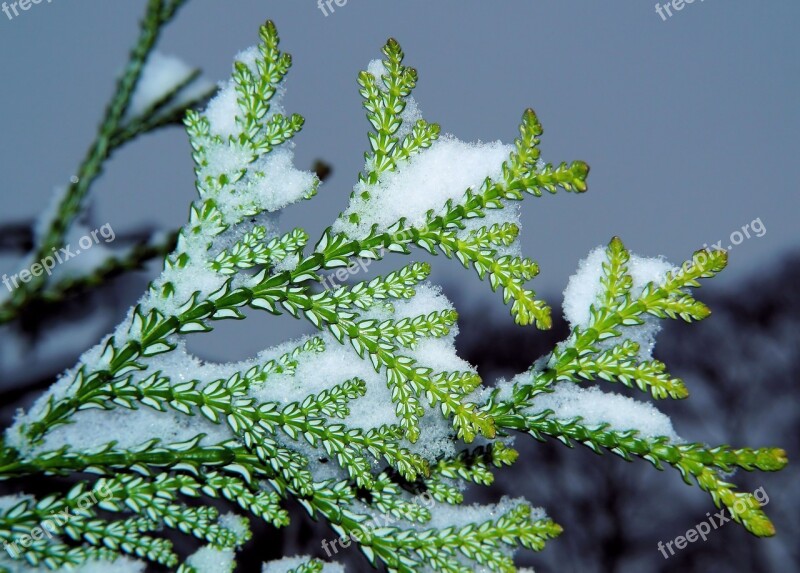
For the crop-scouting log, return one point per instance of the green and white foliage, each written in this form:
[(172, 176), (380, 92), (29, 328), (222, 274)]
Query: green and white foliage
[(153, 92), (375, 408)]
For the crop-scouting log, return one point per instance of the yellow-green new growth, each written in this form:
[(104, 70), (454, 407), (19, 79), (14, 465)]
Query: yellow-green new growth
[(376, 407)]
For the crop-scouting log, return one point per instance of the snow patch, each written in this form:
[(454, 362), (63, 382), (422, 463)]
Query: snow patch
[(585, 289), (443, 516), (595, 407), (161, 75), (423, 183), (211, 560), (288, 564)]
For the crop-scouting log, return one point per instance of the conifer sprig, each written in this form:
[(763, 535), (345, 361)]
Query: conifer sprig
[(115, 130), (290, 424)]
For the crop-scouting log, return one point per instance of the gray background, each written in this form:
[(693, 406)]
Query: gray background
[(689, 125)]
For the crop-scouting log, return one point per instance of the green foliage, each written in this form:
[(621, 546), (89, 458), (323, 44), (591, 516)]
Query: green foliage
[(228, 259), (117, 128)]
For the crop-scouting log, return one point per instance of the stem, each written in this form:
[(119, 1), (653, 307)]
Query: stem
[(157, 15), (131, 350), (158, 457)]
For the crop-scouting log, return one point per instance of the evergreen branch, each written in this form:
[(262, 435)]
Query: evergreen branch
[(157, 15), (384, 100), (162, 112), (242, 154), (474, 465), (667, 301), (692, 460), (618, 364)]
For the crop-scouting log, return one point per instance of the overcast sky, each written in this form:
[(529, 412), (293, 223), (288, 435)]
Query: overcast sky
[(690, 124)]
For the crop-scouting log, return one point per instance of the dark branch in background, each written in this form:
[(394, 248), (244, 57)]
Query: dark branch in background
[(139, 248), (16, 236), (134, 259), (322, 169)]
